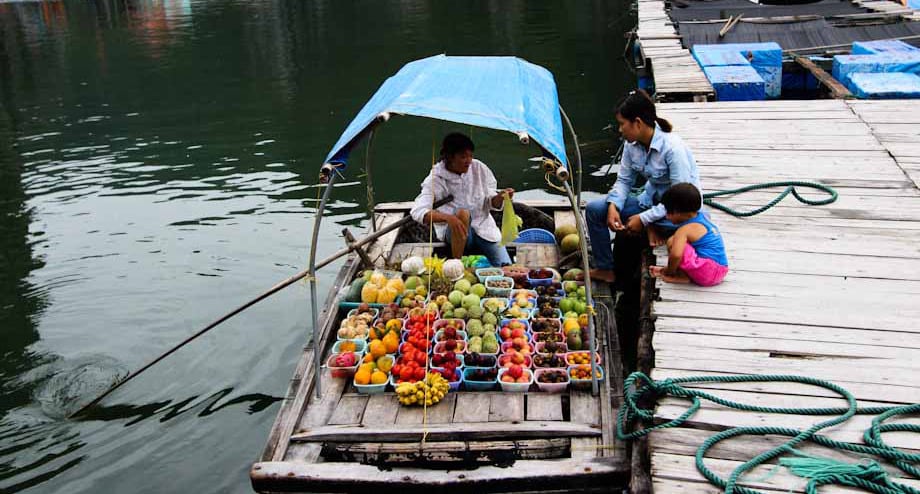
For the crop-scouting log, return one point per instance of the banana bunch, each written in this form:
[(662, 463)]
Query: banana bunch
[(428, 391)]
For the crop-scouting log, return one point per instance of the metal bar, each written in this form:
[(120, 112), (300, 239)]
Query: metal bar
[(317, 351), (370, 181), (592, 327), (577, 157)]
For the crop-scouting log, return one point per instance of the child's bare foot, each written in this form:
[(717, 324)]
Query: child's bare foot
[(655, 238), (606, 275), (658, 272)]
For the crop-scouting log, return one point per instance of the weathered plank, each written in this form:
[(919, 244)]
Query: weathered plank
[(349, 410), (544, 406), (506, 407), (448, 432), (472, 407), (381, 410), (448, 451), (584, 408)]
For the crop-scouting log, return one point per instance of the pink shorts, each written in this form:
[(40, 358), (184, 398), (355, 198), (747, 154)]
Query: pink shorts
[(701, 270)]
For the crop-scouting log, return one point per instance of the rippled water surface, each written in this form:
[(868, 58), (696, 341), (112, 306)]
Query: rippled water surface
[(157, 163)]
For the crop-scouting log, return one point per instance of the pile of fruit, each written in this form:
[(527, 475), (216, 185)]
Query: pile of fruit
[(516, 374), (375, 367), (582, 372), (447, 364), (578, 358), (553, 376), (427, 391), (549, 360), (355, 327)]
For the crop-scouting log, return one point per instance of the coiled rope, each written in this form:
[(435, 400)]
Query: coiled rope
[(790, 189), (820, 471)]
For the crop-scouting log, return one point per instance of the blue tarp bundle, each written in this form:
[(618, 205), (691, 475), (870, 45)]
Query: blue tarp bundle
[(504, 93), (719, 58), (736, 83), (765, 58), (845, 65), (885, 85), (881, 46)]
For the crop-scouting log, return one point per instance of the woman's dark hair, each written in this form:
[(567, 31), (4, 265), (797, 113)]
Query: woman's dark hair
[(454, 143), (682, 198), (638, 104)]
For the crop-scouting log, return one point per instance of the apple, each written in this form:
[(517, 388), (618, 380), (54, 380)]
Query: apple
[(517, 358), (515, 371), (505, 333), (517, 333)]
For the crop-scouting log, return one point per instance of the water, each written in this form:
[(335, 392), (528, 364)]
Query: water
[(157, 162)]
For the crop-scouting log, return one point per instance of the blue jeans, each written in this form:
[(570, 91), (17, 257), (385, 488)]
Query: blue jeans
[(497, 254), (596, 216)]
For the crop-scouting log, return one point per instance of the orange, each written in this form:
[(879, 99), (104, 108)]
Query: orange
[(378, 377), (347, 346), (391, 343), (362, 377), (378, 349)]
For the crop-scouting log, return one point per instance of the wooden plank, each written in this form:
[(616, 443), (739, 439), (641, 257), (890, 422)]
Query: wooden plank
[(349, 410), (316, 413), (506, 407), (838, 91), (479, 431), (381, 410), (544, 406), (537, 255), (379, 250), (352, 477), (584, 448), (440, 452), (472, 407), (584, 408), (443, 411)]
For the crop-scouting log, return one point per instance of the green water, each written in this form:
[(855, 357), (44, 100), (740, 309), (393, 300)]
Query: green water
[(156, 168)]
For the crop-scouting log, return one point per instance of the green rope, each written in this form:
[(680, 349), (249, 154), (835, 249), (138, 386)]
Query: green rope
[(790, 189), (820, 471)]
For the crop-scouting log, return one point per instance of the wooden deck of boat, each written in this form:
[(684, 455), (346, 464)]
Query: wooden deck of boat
[(490, 441), (829, 292)]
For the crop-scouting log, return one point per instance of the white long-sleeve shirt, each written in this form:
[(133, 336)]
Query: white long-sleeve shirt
[(472, 191)]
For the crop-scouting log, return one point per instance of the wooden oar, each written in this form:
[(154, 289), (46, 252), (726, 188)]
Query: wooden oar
[(271, 291)]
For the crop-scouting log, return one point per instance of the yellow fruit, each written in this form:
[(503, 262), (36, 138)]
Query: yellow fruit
[(369, 293), (368, 359), (387, 295), (347, 346), (394, 325), (421, 291), (378, 279), (396, 284), (583, 320), (378, 377), (362, 377), (384, 364), (378, 349), (367, 366), (391, 342), (570, 324)]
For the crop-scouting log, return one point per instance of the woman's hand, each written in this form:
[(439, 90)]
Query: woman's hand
[(634, 224), (498, 198), (613, 218)]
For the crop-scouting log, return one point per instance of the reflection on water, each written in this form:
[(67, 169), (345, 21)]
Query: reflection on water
[(157, 165)]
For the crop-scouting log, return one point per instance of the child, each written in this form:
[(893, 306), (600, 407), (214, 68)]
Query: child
[(695, 251)]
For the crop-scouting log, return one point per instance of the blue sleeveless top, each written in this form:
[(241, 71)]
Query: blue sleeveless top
[(710, 245)]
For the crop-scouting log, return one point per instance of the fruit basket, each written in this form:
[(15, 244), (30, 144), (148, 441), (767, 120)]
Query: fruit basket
[(457, 379), (554, 385), (342, 371), (505, 361), (501, 303), (520, 384), (543, 337), (444, 346), (440, 324), (432, 316), (479, 361), (375, 388), (523, 346), (581, 357), (513, 328), (439, 359), (557, 348), (584, 379), (476, 379), (545, 325), (360, 346), (523, 291), (499, 286), (484, 273), (371, 310), (542, 276), (549, 361)]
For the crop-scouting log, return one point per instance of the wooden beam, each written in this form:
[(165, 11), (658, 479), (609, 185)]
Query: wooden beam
[(352, 244), (476, 431), (838, 91), (448, 451)]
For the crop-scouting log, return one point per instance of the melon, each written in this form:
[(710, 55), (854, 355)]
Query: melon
[(570, 243), (563, 231)]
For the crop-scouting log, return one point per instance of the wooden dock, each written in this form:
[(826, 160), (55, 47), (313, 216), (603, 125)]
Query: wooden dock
[(830, 292), (677, 75)]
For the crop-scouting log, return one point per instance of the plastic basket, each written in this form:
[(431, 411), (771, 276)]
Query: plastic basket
[(545, 361), (454, 385), (525, 314), (503, 300), (535, 236), (345, 372), (597, 356), (561, 351), (461, 336), (440, 324), (557, 314), (371, 389), (507, 345), (477, 385), (515, 387), (497, 291), (457, 356), (538, 325), (503, 359), (484, 273), (542, 337), (489, 356), (583, 383), (375, 312), (360, 345), (504, 322), (542, 281), (551, 387)]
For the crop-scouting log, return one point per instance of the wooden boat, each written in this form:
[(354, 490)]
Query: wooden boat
[(327, 437)]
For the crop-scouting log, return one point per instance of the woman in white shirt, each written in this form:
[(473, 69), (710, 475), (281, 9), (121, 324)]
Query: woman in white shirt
[(466, 222)]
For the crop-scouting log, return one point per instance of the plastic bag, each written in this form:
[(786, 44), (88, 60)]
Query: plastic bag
[(510, 222)]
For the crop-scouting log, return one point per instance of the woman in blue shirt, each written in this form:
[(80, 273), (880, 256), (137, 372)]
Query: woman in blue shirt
[(653, 152)]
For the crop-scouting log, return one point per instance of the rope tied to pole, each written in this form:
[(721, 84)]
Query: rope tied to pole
[(820, 471)]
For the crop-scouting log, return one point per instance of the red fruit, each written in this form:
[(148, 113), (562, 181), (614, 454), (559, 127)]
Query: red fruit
[(450, 333), (518, 358), (506, 378), (450, 345), (515, 371), (517, 333), (505, 333), (419, 374)]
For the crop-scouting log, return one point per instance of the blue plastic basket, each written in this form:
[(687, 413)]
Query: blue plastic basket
[(535, 236)]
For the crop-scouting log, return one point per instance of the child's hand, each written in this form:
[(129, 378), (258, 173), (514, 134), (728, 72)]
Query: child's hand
[(655, 239), (634, 225)]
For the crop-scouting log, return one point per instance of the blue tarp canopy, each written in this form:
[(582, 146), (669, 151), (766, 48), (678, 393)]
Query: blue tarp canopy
[(504, 93)]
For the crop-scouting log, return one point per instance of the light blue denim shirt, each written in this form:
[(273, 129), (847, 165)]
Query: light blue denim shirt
[(668, 161)]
